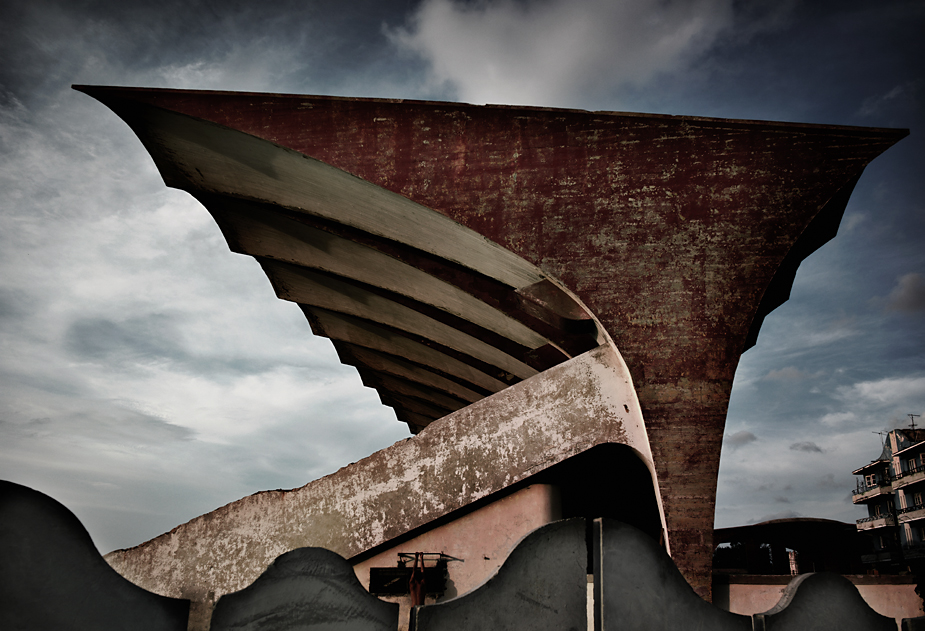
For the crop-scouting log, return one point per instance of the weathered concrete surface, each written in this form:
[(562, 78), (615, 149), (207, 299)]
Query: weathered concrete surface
[(308, 588), (637, 587), (822, 602), (542, 585), (482, 539), (679, 233), (52, 576), (529, 427)]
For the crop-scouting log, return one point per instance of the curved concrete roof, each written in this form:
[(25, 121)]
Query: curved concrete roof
[(433, 315), (483, 244)]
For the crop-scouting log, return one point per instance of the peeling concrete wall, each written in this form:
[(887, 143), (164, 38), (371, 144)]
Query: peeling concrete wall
[(528, 427)]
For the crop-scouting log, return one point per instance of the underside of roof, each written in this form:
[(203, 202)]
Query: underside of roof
[(433, 315)]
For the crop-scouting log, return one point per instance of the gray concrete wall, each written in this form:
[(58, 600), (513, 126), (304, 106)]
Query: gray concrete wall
[(541, 586), (308, 588), (53, 577), (637, 587)]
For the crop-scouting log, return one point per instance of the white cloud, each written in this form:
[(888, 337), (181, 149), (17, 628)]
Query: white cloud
[(739, 439), (788, 373), (549, 52), (839, 419), (908, 296), (852, 221), (174, 423), (904, 95), (258, 65), (141, 358), (893, 391), (798, 331), (807, 447)]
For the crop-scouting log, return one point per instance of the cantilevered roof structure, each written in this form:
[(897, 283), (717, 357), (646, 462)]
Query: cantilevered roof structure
[(450, 251), (432, 314)]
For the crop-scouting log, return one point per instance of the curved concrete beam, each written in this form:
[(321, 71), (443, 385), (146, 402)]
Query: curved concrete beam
[(196, 155), (356, 331), (301, 285), (530, 427), (273, 236)]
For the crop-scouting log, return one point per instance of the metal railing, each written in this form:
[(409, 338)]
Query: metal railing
[(909, 471), (864, 488)]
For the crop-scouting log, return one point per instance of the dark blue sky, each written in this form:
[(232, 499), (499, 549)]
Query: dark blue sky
[(148, 375)]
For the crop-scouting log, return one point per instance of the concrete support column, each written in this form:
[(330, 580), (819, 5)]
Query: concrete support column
[(687, 461)]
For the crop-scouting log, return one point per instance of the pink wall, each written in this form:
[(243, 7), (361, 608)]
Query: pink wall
[(482, 538), (891, 596)]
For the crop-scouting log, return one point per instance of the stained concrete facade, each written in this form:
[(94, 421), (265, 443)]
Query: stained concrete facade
[(480, 247), (472, 455)]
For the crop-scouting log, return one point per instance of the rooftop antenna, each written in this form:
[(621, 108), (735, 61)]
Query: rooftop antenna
[(881, 437), (912, 418)]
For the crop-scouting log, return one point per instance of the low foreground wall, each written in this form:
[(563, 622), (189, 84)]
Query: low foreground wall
[(891, 596), (51, 578)]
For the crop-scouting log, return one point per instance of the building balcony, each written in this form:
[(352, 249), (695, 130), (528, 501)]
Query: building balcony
[(913, 513), (864, 494), (878, 521), (909, 477)]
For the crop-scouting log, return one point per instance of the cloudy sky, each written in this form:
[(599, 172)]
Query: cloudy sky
[(148, 375)]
